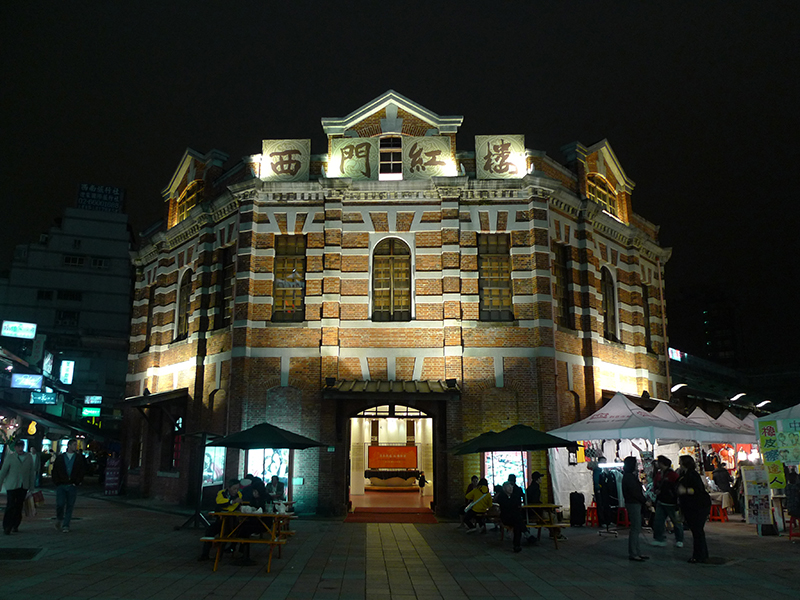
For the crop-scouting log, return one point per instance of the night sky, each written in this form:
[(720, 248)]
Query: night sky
[(699, 100)]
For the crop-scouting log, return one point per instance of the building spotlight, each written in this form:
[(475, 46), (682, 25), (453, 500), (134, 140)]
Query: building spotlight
[(738, 396), (677, 386), (764, 403)]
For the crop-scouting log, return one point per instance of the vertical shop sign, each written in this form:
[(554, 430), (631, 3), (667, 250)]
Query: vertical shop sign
[(770, 445), (113, 476)]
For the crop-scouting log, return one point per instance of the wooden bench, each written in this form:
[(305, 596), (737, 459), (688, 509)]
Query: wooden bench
[(221, 542)]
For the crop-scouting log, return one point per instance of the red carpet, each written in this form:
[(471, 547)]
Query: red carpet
[(391, 515)]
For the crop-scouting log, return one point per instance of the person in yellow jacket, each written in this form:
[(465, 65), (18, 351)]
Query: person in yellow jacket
[(228, 499), (480, 501)]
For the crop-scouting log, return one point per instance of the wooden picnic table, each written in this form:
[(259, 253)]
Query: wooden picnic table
[(543, 516), (273, 530)]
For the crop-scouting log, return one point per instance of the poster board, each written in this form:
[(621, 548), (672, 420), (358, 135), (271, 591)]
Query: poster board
[(756, 495), (392, 457)]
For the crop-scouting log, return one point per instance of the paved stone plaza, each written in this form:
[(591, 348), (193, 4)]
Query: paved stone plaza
[(119, 550)]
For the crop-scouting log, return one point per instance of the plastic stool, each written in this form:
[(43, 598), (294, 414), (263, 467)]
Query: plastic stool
[(622, 517), (591, 516), (718, 513)]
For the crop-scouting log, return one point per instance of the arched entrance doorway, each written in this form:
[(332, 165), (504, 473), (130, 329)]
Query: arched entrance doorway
[(391, 445)]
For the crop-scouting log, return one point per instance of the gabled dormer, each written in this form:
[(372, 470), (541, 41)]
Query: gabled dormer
[(191, 183), (601, 178), (390, 118)]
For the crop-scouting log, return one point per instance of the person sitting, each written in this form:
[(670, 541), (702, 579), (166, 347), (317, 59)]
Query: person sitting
[(472, 485), (511, 513), (228, 500), (276, 490), (480, 501), (535, 489)]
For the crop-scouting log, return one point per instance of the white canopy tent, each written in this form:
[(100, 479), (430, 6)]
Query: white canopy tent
[(729, 420), (621, 419), (787, 413), (751, 419)]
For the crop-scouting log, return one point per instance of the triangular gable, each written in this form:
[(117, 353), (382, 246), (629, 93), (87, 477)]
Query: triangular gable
[(607, 161), (192, 166), (728, 419), (391, 107)]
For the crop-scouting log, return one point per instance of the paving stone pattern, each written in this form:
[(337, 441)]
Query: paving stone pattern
[(127, 551)]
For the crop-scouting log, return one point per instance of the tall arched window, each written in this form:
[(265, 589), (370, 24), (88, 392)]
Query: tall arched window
[(609, 305), (599, 190), (184, 306), (391, 281)]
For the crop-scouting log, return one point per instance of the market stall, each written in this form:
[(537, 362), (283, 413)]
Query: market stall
[(620, 429)]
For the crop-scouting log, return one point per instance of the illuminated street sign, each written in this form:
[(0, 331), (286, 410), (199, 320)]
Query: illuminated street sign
[(67, 371), (44, 398), (18, 329), (93, 400), (90, 411), (27, 381)]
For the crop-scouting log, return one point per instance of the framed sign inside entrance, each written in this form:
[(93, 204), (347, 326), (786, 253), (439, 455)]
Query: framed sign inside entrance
[(392, 457)]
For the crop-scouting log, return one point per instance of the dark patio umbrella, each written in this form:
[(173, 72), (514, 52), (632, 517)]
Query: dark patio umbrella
[(466, 447), (515, 439), (266, 436)]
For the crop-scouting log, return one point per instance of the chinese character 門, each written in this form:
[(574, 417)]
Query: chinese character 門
[(352, 151)]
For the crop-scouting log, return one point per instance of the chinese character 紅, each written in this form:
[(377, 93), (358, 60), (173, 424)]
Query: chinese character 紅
[(497, 159), (420, 164), (285, 162)]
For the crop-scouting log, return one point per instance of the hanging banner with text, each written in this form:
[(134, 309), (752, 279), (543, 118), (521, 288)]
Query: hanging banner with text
[(392, 457)]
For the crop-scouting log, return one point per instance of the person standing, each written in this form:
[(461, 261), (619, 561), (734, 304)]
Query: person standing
[(665, 484), (535, 488), (18, 475), (276, 490), (695, 505), (422, 483), (69, 470), (634, 500)]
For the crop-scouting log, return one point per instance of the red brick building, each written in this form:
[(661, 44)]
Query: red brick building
[(479, 285)]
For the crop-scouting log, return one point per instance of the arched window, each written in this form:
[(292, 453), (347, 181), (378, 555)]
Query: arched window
[(391, 281), (600, 191), (184, 306), (609, 305)]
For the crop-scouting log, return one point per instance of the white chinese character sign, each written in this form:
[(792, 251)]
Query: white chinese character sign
[(426, 157), (500, 156), (356, 158), (285, 160)]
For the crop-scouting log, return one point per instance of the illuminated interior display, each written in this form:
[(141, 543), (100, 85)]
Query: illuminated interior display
[(67, 371), (500, 156), (426, 157), (357, 158), (285, 160), (18, 329)]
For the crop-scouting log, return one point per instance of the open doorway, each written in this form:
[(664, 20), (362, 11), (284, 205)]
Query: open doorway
[(391, 445)]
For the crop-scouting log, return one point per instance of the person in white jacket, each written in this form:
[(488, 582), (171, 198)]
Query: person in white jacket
[(17, 473)]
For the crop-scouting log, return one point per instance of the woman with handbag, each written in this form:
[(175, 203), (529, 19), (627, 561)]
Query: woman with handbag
[(480, 501)]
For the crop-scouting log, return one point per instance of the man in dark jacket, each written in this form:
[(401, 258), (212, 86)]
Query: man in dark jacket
[(510, 501), (69, 470)]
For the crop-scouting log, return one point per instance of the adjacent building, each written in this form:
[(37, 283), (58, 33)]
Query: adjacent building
[(75, 283), (405, 287)]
